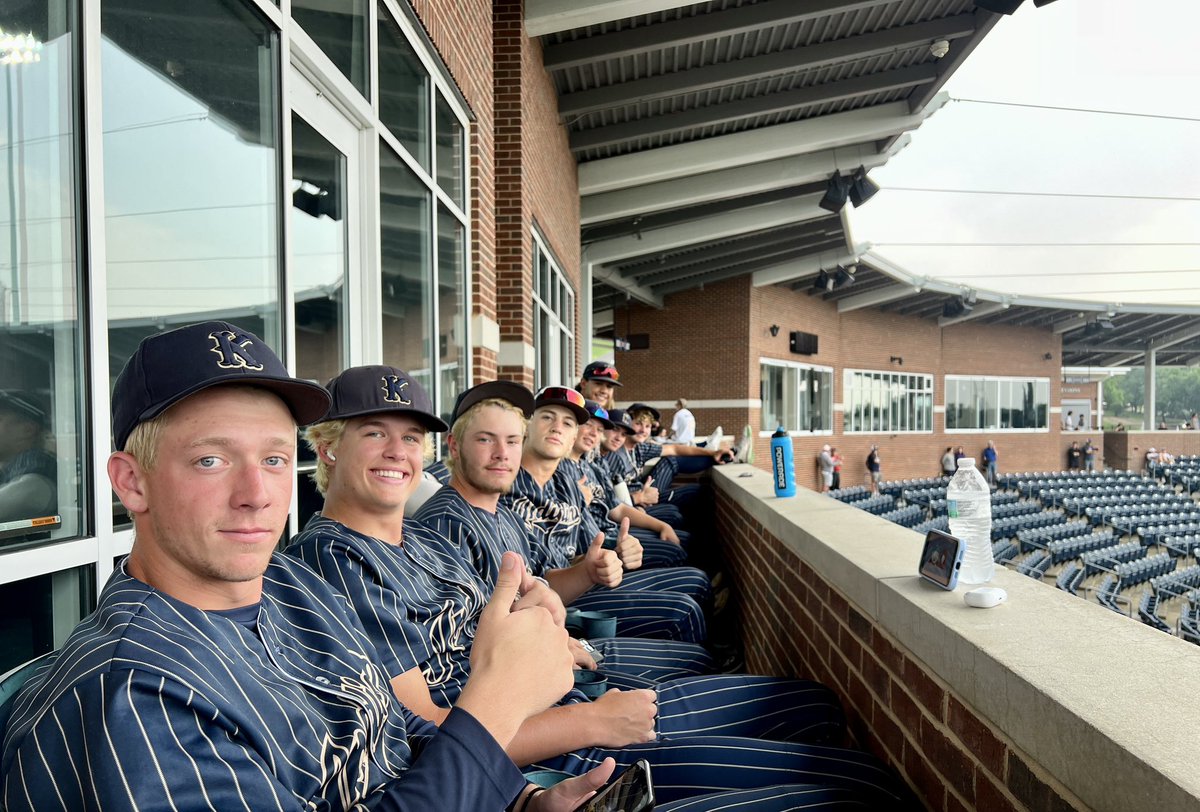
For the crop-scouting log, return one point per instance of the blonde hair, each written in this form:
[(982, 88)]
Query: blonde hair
[(142, 443), (463, 424), (638, 415), (329, 434)]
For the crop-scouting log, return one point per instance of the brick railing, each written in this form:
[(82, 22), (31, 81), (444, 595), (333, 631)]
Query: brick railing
[(1044, 703)]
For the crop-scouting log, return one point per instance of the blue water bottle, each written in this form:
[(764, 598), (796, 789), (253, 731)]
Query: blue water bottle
[(782, 464)]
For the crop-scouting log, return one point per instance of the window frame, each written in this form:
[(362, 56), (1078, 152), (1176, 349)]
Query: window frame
[(796, 367), (548, 315), (883, 380), (948, 378)]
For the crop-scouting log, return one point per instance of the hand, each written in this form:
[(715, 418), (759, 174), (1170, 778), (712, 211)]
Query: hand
[(519, 657), (540, 594), (569, 794), (583, 659), (602, 566), (667, 533), (649, 492), (722, 455), (625, 717), (629, 549), (586, 490)]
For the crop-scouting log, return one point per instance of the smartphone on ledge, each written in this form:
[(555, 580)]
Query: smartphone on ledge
[(941, 559)]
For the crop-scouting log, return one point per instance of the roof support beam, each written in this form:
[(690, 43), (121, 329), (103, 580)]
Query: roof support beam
[(753, 146), (689, 30), (724, 183), (614, 279), (873, 298), (716, 114), (1074, 323), (550, 16), (766, 263), (1174, 338), (719, 256), (980, 309), (758, 259), (707, 229), (804, 267), (793, 60)]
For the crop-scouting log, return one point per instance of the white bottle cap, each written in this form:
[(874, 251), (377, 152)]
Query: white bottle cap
[(965, 461)]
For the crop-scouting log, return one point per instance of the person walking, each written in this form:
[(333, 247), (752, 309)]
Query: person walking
[(989, 459), (874, 469), (948, 462)]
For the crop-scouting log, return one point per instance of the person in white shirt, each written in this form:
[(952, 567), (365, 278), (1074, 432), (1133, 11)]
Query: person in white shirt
[(683, 424)]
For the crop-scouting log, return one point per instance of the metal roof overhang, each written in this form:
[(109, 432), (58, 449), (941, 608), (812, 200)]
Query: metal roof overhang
[(706, 132)]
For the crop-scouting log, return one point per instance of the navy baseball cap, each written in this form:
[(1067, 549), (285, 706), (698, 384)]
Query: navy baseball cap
[(25, 404), (381, 389), (510, 391), (563, 396), (167, 367), (602, 371), (620, 419), (598, 412)]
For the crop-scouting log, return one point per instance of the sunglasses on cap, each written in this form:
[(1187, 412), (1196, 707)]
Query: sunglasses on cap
[(563, 396), (607, 372)]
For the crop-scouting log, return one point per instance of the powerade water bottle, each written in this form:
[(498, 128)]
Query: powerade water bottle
[(782, 463), (969, 503)]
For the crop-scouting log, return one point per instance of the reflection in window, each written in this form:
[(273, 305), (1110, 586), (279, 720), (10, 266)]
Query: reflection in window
[(797, 397), (450, 166), (888, 402), (40, 612), (553, 322), (341, 30), (403, 89), (318, 253), (407, 290), (42, 470), (191, 179), (452, 309), (996, 404)]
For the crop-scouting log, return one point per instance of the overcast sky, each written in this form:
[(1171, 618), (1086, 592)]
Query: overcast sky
[(1129, 56)]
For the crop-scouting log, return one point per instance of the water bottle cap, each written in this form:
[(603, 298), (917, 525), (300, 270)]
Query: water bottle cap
[(780, 432), (966, 462)]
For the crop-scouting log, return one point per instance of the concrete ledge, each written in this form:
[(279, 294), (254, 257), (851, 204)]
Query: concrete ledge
[(1100, 703)]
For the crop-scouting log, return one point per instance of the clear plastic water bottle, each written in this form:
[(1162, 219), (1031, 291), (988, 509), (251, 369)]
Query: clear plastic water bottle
[(969, 503)]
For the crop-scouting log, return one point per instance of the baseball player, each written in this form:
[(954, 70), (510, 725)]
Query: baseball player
[(217, 674), (599, 382), (371, 457)]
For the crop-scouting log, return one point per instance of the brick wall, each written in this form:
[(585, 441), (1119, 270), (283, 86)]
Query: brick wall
[(796, 624), (462, 34), (707, 344)]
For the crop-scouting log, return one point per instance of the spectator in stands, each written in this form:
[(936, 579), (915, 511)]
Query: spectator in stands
[(959, 453), (1074, 456), (837, 469), (1120, 427), (825, 461), (1165, 457), (1162, 425), (948, 462), (874, 470), (683, 424), (1151, 457), (1089, 455), (989, 459)]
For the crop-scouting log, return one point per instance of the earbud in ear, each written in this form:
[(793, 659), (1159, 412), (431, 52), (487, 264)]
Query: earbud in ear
[(331, 455)]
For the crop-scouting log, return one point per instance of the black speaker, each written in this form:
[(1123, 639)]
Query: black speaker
[(802, 343)]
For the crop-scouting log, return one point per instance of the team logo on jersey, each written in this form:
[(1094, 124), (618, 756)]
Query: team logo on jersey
[(393, 390), (233, 350)]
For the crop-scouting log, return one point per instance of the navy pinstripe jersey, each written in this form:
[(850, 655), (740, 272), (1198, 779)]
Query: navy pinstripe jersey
[(567, 489), (554, 525), (481, 536), (619, 464), (602, 496), (419, 601), (154, 704), (644, 452)]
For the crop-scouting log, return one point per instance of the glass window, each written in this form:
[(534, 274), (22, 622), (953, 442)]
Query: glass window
[(341, 30), (191, 168), (452, 309), (997, 403), (39, 613), (405, 241), (450, 141), (887, 402), (799, 398), (403, 90), (43, 470), (554, 317), (319, 257)]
